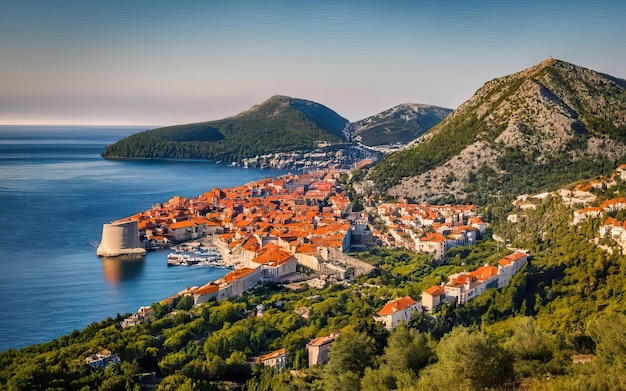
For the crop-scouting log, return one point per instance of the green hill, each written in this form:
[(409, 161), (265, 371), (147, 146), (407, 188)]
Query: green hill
[(280, 124), (534, 130)]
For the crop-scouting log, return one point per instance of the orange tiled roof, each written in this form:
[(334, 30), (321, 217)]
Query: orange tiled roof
[(308, 248), (322, 340), (511, 258), (435, 290), (272, 253), (268, 356), (206, 289), (433, 237), (182, 224), (394, 306), (590, 209), (485, 272), (238, 273)]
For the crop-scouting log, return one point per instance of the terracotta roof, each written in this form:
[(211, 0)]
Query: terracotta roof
[(511, 258), (590, 209), (182, 224), (433, 237), (238, 273), (435, 290), (271, 253), (268, 356), (476, 220), (485, 272), (308, 248), (206, 289), (322, 340), (394, 306)]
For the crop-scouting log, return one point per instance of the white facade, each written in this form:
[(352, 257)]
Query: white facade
[(396, 311)]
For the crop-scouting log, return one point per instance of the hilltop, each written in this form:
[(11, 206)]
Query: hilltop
[(280, 124), (282, 132), (399, 124), (533, 130)]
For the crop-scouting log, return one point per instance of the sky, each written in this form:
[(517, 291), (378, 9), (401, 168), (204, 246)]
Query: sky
[(156, 63)]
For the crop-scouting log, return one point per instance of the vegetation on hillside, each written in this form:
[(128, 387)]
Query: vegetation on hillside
[(280, 124), (559, 324), (549, 113), (565, 306)]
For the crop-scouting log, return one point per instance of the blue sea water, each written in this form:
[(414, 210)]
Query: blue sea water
[(55, 194)]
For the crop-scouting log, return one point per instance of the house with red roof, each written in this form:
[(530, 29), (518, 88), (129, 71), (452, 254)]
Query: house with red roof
[(396, 311), (432, 297), (185, 230), (616, 230), (274, 262), (463, 287), (237, 282), (205, 293), (586, 213), (308, 255), (276, 359), (478, 223), (509, 265), (319, 348), (433, 243)]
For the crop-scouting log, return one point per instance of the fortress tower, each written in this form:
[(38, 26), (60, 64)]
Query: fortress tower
[(120, 239)]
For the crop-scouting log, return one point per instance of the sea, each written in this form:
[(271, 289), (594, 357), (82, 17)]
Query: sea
[(56, 192)]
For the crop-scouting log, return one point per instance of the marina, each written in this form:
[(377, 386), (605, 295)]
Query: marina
[(190, 254)]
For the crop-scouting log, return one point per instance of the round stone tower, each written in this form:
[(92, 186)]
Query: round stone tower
[(120, 239)]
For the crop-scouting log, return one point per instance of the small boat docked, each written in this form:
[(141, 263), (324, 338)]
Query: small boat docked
[(212, 259)]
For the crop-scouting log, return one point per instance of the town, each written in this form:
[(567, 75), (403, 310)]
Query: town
[(270, 230)]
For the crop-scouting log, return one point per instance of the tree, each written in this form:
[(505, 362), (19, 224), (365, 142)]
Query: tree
[(407, 351), (159, 310), (609, 333), (349, 355), (177, 383), (529, 342), (476, 361), (185, 303), (228, 340)]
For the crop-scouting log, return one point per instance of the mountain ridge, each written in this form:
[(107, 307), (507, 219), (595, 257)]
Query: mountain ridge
[(280, 132), (518, 127), (399, 124)]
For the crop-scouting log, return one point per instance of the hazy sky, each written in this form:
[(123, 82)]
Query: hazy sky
[(169, 62)]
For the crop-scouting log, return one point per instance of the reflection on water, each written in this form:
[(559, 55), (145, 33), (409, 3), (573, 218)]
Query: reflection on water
[(122, 268)]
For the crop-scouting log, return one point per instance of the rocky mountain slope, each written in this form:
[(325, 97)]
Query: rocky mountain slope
[(399, 124), (545, 126)]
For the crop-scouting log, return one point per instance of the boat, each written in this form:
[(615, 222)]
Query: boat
[(211, 258)]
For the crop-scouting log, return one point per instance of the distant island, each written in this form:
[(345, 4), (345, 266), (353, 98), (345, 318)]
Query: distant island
[(282, 132)]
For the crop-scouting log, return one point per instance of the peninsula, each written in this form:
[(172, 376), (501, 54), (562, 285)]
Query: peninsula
[(269, 229)]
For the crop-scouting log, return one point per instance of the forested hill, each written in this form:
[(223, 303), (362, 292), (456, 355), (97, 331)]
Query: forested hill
[(534, 130), (280, 124)]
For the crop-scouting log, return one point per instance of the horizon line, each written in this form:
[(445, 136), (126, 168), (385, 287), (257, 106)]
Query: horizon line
[(85, 124)]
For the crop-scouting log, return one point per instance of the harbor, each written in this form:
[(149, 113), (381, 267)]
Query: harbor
[(196, 254)]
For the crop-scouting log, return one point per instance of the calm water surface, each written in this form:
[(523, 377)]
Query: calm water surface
[(55, 194)]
